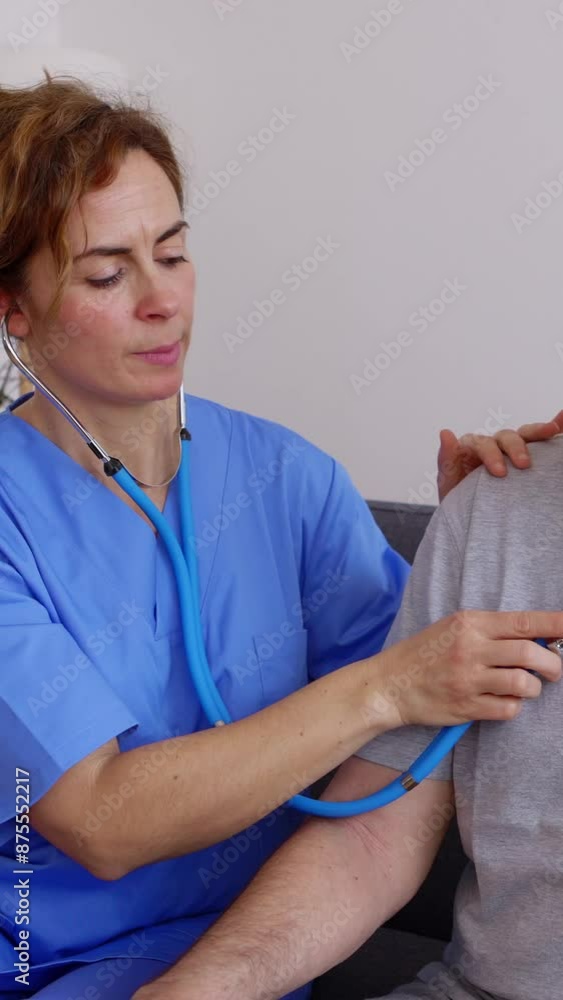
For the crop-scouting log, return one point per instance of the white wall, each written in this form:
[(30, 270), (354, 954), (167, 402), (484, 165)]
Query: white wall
[(494, 349)]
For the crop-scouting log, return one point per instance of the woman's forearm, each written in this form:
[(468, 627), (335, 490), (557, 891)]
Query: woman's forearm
[(193, 791), (181, 795)]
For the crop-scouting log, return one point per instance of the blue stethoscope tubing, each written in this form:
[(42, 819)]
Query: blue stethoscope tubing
[(185, 569), (184, 564)]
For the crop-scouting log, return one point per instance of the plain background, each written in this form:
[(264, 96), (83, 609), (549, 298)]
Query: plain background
[(360, 101)]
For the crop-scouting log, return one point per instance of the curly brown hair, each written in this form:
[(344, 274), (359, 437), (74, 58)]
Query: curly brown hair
[(58, 140)]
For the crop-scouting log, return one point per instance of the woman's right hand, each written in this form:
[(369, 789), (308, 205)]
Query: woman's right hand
[(472, 665)]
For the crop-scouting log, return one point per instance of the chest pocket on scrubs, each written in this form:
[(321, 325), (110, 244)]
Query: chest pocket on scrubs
[(282, 663)]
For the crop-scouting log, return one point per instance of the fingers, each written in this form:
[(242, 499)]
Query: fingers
[(491, 708), (515, 683), (491, 451), (448, 475), (454, 463), (448, 441), (542, 431), (524, 654), (513, 445), (479, 449), (512, 624)]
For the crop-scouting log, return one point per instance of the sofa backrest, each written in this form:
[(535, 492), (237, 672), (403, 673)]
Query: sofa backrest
[(402, 524)]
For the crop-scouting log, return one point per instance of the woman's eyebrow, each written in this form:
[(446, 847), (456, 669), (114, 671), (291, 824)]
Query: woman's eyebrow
[(117, 251)]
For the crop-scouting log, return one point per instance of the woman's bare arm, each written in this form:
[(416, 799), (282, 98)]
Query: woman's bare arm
[(114, 812)]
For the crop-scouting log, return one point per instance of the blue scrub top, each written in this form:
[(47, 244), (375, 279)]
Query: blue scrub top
[(296, 580)]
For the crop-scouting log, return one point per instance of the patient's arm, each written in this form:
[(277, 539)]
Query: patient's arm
[(319, 897)]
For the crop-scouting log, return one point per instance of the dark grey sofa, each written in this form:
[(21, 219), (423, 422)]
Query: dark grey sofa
[(416, 935)]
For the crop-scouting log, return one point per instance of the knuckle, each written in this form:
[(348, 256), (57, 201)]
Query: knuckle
[(462, 621), (458, 686), (520, 683), (511, 709), (521, 622), (526, 654), (456, 657)]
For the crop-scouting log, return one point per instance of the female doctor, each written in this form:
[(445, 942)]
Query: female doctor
[(144, 823)]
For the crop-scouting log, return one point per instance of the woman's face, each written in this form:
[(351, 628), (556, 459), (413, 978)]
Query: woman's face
[(116, 305)]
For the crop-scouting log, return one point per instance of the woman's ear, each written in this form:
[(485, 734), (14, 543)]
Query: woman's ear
[(17, 324), (5, 302)]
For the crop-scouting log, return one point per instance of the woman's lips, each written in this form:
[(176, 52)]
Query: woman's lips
[(161, 355)]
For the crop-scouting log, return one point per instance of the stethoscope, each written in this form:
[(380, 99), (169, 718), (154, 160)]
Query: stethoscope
[(186, 572)]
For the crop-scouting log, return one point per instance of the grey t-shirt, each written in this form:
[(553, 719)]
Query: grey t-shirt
[(497, 544)]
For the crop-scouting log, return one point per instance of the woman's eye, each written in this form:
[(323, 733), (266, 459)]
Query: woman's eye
[(172, 261), (105, 282), (115, 278)]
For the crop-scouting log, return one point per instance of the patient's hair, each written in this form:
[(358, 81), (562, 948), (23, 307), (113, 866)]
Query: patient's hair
[(58, 140)]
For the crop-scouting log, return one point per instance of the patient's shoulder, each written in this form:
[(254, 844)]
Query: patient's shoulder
[(547, 455), (544, 472), (489, 503)]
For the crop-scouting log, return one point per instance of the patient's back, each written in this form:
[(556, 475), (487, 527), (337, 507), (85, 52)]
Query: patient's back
[(497, 544)]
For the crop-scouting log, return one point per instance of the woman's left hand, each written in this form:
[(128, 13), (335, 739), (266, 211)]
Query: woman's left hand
[(457, 458)]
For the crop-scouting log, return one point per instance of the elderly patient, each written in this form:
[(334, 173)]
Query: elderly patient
[(493, 544)]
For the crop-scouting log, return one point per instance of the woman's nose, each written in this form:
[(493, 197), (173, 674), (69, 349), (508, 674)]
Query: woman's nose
[(158, 299)]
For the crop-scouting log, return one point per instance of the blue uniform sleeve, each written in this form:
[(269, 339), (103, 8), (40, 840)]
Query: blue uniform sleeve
[(55, 706), (353, 580)]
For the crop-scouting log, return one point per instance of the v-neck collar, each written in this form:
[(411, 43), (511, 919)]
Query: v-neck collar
[(208, 486), (65, 457)]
